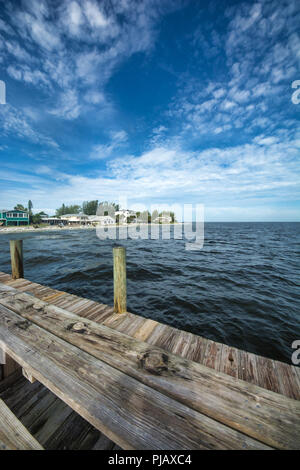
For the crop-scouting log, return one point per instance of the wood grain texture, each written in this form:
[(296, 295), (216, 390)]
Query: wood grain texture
[(130, 413), (120, 290), (13, 435), (16, 256), (34, 405), (159, 334), (249, 409), (28, 376), (9, 366)]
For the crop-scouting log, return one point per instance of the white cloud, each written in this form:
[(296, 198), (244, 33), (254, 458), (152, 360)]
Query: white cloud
[(68, 107), (94, 15), (76, 46), (102, 151), (16, 121), (119, 136), (25, 74), (261, 172), (74, 18), (94, 97)]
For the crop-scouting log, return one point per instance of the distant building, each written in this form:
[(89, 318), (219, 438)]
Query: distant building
[(13, 217), (51, 220), (124, 215), (164, 219), (101, 219), (70, 219)]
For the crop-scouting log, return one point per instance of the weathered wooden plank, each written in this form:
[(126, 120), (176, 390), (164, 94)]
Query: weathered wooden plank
[(247, 362), (247, 367), (267, 374), (212, 355), (129, 322), (28, 376), (25, 287), (34, 404), (287, 378), (81, 304), (157, 333), (233, 402), (66, 300), (9, 366), (103, 443), (145, 330), (27, 400), (115, 320), (133, 326), (54, 416), (19, 283), (52, 296), (95, 310), (5, 277), (5, 383), (89, 309), (229, 361), (296, 370), (33, 416), (13, 435), (15, 392), (197, 349), (74, 433), (130, 413), (182, 343)]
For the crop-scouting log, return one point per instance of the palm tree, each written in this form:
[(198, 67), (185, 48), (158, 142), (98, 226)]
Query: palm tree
[(19, 207), (30, 206)]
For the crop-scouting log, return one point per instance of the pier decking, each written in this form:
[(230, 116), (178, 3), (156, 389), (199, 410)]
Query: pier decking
[(280, 411)]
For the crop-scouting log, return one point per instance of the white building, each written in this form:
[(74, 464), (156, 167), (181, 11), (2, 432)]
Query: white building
[(52, 220), (75, 218), (165, 219), (125, 214), (101, 219)]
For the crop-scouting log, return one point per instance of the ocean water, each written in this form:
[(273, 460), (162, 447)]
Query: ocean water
[(241, 288)]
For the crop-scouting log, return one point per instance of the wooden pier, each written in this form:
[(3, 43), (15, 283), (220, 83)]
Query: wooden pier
[(137, 383)]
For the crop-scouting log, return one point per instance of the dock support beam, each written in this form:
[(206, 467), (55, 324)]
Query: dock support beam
[(119, 254), (16, 255)]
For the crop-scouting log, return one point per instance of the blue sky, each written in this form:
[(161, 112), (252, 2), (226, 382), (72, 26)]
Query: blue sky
[(158, 101)]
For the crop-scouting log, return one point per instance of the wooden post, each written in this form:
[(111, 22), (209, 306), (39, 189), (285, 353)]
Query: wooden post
[(16, 255), (119, 279)]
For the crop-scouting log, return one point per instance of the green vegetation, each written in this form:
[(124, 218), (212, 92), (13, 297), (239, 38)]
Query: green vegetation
[(105, 207), (90, 207), (19, 207), (37, 218), (73, 209)]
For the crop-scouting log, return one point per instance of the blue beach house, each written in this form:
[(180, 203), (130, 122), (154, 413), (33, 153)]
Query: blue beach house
[(13, 217)]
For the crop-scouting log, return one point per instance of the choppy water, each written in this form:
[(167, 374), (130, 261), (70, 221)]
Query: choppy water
[(240, 289)]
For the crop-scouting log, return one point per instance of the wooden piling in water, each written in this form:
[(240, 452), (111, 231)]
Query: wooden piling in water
[(16, 255), (119, 255)]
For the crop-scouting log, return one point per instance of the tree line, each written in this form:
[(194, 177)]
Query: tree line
[(87, 207), (91, 208)]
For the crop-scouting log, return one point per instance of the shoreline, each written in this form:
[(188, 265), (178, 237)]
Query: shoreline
[(26, 229)]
